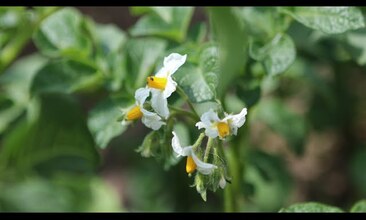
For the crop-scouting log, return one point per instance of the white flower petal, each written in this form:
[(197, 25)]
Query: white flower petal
[(151, 119), (181, 151), (173, 62), (176, 145), (233, 130), (212, 132), (159, 103), (187, 151), (141, 94), (210, 117), (239, 119), (200, 125), (163, 72), (208, 121), (222, 182), (202, 167), (170, 87), (236, 121)]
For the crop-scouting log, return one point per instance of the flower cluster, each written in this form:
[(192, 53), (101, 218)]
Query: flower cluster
[(160, 87), (214, 127)]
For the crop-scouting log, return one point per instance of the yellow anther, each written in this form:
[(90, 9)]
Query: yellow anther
[(134, 113), (224, 129), (156, 82), (191, 165)]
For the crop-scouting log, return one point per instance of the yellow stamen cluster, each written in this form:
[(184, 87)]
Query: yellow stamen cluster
[(191, 165), (223, 128), (156, 82), (134, 113)]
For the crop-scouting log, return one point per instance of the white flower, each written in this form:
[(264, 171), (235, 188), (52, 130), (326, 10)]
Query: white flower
[(150, 119), (162, 85), (193, 162), (221, 127)]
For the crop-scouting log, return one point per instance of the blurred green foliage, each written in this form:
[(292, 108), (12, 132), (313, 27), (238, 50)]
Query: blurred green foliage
[(298, 70)]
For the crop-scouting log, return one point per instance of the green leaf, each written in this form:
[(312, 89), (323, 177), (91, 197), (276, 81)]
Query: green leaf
[(65, 193), (66, 76), (57, 140), (43, 11), (249, 88), (8, 112), (189, 48), (142, 55), (276, 56), (4, 38), (110, 57), (104, 198), (249, 92), (203, 107), (118, 71), (304, 39), (330, 20), (157, 24), (110, 38), (165, 13), (29, 196), (209, 59), (311, 207), (11, 17), (263, 22), (198, 33), (357, 47), (232, 39), (198, 85), (282, 120), (62, 34), (17, 79), (233, 103), (102, 120), (200, 82), (16, 82), (266, 175), (359, 206)]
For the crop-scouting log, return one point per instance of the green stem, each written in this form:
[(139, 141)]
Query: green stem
[(229, 203), (233, 189), (199, 141), (234, 194), (208, 149), (185, 97), (184, 112)]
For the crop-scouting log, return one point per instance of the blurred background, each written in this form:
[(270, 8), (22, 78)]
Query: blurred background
[(307, 143)]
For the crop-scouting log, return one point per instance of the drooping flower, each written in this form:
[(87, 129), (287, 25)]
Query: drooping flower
[(221, 127), (193, 162), (162, 84), (222, 182), (150, 119)]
